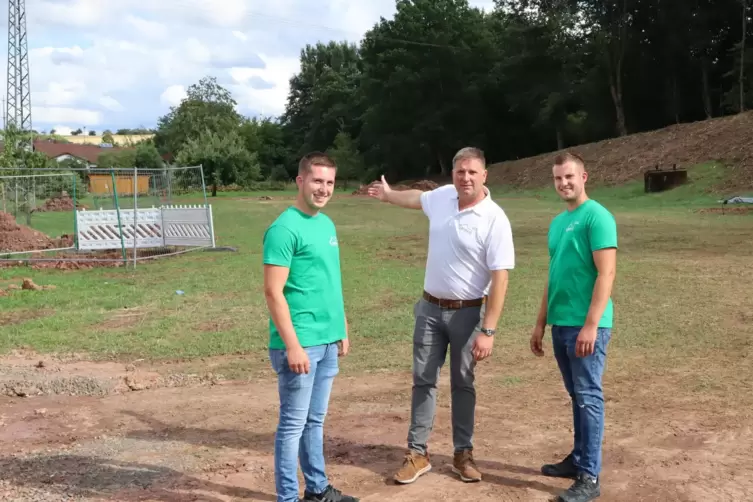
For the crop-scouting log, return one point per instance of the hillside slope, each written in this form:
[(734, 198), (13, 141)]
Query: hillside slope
[(728, 140)]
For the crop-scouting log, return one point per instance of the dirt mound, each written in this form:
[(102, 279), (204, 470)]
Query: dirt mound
[(727, 210), (618, 160), (15, 237), (60, 203), (424, 185)]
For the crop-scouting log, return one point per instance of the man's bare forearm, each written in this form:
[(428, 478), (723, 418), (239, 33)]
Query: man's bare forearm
[(541, 317), (280, 312), (599, 299), (410, 199), (496, 301)]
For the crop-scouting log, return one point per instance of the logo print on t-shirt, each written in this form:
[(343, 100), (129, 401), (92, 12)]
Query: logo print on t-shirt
[(333, 241), (572, 226)]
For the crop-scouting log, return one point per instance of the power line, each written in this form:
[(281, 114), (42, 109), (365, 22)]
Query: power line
[(282, 20)]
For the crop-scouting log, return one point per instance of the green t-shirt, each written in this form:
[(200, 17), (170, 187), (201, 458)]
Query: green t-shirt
[(307, 245), (573, 237)]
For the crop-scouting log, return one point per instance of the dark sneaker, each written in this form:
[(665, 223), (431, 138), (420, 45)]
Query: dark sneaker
[(414, 466), (331, 494), (585, 489), (464, 466), (565, 469)]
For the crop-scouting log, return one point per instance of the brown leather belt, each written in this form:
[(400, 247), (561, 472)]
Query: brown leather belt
[(454, 304)]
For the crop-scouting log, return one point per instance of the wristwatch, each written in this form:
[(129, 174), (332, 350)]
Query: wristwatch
[(487, 331)]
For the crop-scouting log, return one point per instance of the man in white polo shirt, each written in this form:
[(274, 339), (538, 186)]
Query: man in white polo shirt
[(470, 253)]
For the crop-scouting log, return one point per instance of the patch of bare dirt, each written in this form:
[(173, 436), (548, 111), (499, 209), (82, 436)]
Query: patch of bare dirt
[(26, 374), (618, 160), (62, 202), (123, 319), (727, 210), (216, 443), (15, 237), (71, 260), (424, 185), (215, 325), (21, 316)]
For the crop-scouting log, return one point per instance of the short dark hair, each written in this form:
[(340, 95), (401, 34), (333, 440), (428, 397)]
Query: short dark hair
[(315, 159), (469, 152), (565, 157)]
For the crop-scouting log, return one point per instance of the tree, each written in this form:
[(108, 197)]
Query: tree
[(350, 164), (224, 158), (208, 107), (117, 159), (321, 99), (266, 138), (147, 157)]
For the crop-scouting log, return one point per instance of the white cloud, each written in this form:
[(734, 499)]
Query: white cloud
[(123, 64), (173, 95)]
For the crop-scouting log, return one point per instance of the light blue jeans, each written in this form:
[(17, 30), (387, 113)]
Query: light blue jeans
[(304, 399), (582, 379)]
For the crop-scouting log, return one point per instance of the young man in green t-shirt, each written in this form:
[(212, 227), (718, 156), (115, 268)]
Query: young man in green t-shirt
[(577, 304), (308, 329)]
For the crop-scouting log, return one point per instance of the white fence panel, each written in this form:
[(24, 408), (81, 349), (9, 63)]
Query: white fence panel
[(188, 225), (99, 229)]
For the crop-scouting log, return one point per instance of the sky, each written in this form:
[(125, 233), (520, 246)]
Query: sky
[(97, 64)]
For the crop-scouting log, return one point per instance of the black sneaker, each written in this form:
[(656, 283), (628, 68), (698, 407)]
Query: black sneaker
[(585, 489), (331, 494), (565, 469)]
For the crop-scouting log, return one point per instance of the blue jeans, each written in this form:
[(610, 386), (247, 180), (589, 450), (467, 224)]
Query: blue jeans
[(303, 405), (582, 378)]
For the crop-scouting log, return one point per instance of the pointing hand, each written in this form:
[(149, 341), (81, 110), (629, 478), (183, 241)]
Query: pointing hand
[(380, 190)]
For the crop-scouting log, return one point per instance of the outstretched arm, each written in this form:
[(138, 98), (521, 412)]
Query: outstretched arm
[(410, 199)]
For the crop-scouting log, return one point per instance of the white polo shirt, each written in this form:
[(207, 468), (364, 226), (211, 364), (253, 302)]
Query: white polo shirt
[(464, 246)]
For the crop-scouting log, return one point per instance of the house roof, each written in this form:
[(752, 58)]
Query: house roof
[(90, 153)]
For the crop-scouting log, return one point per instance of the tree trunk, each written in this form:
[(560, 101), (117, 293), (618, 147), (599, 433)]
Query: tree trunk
[(675, 105), (615, 87), (705, 83), (742, 56), (617, 51), (560, 139), (442, 165), (214, 189)]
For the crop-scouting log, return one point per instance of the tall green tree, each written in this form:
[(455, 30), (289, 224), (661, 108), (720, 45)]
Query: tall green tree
[(323, 97), (422, 85), (224, 159), (266, 138), (207, 107)]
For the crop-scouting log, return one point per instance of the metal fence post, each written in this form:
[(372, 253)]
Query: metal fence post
[(120, 222), (206, 205), (135, 212)]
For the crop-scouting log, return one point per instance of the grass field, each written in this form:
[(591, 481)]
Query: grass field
[(679, 361)]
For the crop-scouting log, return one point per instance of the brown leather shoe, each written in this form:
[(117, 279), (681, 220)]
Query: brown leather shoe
[(414, 466), (464, 466)]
